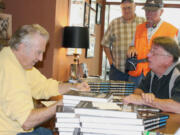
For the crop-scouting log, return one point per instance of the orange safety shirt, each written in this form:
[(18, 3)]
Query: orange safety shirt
[(143, 46)]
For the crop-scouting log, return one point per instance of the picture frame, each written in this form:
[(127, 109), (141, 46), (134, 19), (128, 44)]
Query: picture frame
[(92, 22), (76, 8), (86, 14), (98, 13), (5, 26), (90, 51)]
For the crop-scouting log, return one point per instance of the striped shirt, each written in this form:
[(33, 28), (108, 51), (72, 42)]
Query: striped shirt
[(119, 36)]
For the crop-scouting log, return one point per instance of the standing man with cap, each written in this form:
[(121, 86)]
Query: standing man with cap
[(118, 37), (144, 35), (161, 87)]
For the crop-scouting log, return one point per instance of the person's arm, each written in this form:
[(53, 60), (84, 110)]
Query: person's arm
[(108, 54), (166, 105), (40, 115), (133, 99), (65, 87)]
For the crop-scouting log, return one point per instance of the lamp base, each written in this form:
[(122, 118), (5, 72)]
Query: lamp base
[(78, 71)]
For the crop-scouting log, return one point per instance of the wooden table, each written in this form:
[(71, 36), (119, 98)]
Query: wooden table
[(173, 123)]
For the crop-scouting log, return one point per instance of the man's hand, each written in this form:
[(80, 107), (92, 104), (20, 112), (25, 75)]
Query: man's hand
[(134, 99), (148, 98), (131, 52), (83, 86)]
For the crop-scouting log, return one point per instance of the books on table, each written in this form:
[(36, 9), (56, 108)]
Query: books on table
[(114, 87), (110, 118), (66, 117), (65, 112), (114, 120), (104, 109), (72, 98), (87, 96)]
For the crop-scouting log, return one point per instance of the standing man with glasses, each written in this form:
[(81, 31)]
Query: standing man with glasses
[(161, 87), (144, 35), (118, 37)]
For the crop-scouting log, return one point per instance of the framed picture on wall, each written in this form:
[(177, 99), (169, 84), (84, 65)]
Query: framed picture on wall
[(86, 14), (92, 21), (76, 9), (91, 49), (98, 13), (5, 26)]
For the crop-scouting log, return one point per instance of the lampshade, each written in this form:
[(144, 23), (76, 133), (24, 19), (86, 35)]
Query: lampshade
[(76, 37)]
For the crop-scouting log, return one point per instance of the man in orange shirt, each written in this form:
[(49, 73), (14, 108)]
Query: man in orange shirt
[(144, 35)]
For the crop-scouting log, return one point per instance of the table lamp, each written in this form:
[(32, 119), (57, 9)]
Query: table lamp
[(75, 37)]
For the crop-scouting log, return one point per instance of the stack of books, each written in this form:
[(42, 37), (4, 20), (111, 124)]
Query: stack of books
[(67, 122), (72, 98), (120, 88), (113, 119)]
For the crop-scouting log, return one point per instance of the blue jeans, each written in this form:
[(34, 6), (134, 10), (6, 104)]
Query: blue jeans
[(136, 80), (38, 131), (115, 74)]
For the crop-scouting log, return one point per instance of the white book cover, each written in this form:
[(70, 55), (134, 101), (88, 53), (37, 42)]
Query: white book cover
[(114, 126), (66, 133), (113, 120), (65, 111), (67, 125), (65, 129), (144, 118), (88, 96), (68, 120), (104, 109), (69, 101), (109, 132), (93, 134), (67, 104)]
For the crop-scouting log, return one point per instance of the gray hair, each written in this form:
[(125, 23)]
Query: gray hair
[(25, 34), (168, 44)]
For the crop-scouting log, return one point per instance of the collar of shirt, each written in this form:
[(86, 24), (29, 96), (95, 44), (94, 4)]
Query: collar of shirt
[(152, 30), (169, 69)]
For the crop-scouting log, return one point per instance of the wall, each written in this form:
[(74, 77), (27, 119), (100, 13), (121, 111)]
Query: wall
[(35, 11), (53, 15)]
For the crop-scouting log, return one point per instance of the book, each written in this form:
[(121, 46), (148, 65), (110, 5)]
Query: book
[(158, 125), (104, 109), (129, 127), (65, 129), (109, 132), (66, 119), (115, 120), (88, 96), (76, 131), (67, 125), (65, 111)]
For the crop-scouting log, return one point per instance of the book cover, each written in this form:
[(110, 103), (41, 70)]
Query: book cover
[(65, 111), (105, 109), (152, 127), (68, 120), (67, 125), (109, 132), (88, 96), (115, 120), (129, 127), (65, 129)]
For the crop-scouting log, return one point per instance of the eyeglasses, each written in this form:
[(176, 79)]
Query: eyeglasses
[(154, 53)]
